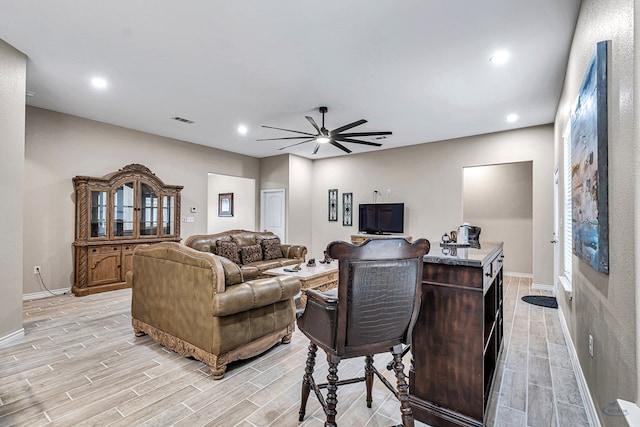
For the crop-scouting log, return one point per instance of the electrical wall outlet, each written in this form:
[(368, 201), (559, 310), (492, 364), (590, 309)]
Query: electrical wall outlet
[(591, 345), (37, 269)]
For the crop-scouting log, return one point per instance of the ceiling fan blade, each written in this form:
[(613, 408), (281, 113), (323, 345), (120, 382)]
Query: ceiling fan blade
[(315, 150), (297, 143), (357, 141), (286, 137), (366, 134), (288, 130), (313, 123), (346, 127), (340, 146)]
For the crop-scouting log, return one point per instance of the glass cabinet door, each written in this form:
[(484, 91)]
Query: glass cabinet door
[(168, 220), (148, 211), (123, 210), (98, 219)]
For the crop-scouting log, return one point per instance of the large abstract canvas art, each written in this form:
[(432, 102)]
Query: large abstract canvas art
[(590, 214)]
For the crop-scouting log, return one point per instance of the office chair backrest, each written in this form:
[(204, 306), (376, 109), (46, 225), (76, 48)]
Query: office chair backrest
[(378, 292)]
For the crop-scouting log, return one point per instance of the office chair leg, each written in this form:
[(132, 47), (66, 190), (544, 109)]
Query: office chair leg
[(306, 380), (332, 391), (403, 387), (368, 376)]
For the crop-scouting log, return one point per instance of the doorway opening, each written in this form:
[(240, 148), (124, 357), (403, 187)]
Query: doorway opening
[(499, 199)]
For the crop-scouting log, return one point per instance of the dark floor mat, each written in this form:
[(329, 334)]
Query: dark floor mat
[(542, 301)]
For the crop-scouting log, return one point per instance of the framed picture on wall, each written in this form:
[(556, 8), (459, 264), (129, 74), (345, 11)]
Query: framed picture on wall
[(333, 205), (225, 204), (347, 208)]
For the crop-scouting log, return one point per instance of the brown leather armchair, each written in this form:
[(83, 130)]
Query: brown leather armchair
[(372, 311)]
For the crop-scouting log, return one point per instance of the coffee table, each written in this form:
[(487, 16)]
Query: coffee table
[(322, 277)]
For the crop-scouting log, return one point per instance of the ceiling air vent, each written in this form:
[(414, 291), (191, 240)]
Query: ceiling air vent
[(183, 120)]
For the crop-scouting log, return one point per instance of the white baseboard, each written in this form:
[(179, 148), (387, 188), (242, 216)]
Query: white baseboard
[(541, 287), (45, 294), (12, 337), (589, 405), (516, 274)]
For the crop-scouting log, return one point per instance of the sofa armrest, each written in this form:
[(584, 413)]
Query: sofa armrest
[(254, 293), (294, 251)]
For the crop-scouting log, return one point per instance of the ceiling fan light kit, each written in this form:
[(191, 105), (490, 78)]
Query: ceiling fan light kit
[(333, 137)]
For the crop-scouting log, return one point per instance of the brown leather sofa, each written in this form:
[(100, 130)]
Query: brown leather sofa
[(187, 301), (263, 241)]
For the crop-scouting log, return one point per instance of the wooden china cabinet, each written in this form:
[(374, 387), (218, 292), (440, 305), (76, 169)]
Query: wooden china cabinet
[(114, 214)]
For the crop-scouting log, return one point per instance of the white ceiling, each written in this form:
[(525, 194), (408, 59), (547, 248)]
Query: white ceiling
[(419, 68)]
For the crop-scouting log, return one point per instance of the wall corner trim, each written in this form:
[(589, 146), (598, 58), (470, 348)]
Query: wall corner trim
[(590, 407), (11, 338)]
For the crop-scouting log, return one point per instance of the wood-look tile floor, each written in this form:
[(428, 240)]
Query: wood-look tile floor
[(79, 364)]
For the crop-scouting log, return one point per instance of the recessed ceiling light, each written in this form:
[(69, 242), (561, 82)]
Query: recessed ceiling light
[(512, 118), (99, 83), (499, 57), (242, 130)]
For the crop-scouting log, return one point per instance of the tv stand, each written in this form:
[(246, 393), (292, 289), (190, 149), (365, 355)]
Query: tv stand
[(357, 239)]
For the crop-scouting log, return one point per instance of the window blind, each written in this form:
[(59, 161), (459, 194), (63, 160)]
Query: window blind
[(567, 221)]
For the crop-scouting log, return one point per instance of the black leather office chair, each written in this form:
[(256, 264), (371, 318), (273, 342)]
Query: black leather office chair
[(372, 311)]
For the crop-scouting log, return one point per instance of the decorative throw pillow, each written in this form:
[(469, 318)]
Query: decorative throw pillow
[(214, 244), (271, 248), (251, 253), (228, 250)]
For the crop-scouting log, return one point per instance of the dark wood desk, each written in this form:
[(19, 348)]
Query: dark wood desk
[(457, 337)]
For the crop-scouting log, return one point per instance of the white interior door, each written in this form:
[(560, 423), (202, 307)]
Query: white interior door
[(272, 212)]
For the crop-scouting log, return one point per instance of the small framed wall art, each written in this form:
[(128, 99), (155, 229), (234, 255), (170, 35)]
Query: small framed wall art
[(347, 209), (333, 204), (225, 204)]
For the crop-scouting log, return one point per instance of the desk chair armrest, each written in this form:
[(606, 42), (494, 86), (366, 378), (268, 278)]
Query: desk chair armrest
[(320, 318)]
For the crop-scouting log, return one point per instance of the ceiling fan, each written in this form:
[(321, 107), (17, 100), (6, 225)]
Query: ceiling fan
[(323, 135)]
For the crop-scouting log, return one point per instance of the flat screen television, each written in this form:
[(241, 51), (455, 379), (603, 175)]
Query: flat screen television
[(381, 218)]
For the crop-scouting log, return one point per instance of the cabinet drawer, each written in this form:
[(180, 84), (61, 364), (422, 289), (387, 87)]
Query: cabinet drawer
[(487, 275), (109, 249)]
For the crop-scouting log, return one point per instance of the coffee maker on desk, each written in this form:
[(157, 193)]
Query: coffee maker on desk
[(464, 235)]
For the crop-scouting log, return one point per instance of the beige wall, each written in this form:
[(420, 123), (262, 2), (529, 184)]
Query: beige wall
[(59, 146), (13, 68), (605, 305), (299, 206), (428, 179), (244, 203), (499, 199), (294, 174)]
